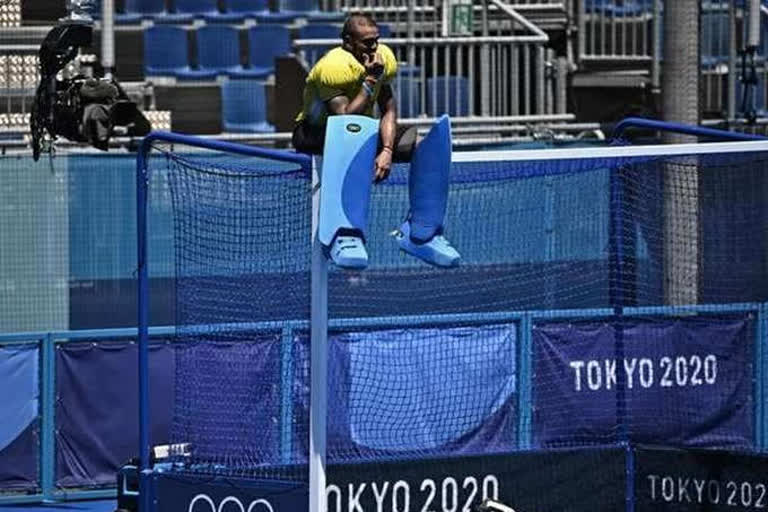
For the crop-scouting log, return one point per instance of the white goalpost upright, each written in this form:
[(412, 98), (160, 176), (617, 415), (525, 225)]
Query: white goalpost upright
[(318, 357)]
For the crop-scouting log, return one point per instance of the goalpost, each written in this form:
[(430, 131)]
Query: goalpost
[(319, 310), (557, 332)]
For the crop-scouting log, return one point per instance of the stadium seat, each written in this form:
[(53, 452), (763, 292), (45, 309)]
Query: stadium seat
[(265, 42), (166, 53), (715, 35), (758, 92), (185, 11), (309, 9), (244, 107), (448, 95), (135, 11), (407, 88), (284, 15), (319, 31), (218, 50), (619, 8), (237, 11)]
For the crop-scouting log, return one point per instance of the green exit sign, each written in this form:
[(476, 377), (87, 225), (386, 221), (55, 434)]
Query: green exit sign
[(461, 18)]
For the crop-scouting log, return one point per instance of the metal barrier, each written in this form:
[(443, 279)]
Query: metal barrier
[(19, 75), (463, 76), (505, 71), (610, 32)]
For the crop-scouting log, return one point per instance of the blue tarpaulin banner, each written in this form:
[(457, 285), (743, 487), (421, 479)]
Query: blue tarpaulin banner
[(97, 420), (680, 382), (437, 390), (19, 414)]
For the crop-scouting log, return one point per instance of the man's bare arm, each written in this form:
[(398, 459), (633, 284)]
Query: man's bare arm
[(374, 67), (341, 105), (388, 124)]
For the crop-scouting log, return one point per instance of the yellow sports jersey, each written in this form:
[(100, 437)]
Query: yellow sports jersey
[(338, 73)]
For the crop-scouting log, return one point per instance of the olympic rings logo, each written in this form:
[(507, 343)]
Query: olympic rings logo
[(266, 506)]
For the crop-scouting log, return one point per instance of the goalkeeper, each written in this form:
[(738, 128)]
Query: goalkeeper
[(352, 79)]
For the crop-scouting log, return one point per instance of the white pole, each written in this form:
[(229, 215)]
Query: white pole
[(753, 33), (319, 356), (108, 37)]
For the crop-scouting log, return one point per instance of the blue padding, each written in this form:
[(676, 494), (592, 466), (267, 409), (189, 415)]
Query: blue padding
[(18, 409), (428, 184), (347, 174)]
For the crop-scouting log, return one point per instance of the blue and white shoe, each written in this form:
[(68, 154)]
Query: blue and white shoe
[(438, 251), (349, 252)]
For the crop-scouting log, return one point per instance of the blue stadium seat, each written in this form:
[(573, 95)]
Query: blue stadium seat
[(237, 11), (265, 42), (319, 31), (135, 11), (166, 53), (286, 14), (244, 107), (185, 11), (714, 37), (759, 92), (407, 87), (309, 9), (448, 95), (618, 7), (218, 49)]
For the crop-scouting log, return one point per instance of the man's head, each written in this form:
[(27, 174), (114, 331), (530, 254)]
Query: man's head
[(360, 36)]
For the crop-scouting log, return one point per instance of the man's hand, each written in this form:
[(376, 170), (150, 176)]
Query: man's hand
[(374, 65), (383, 164)]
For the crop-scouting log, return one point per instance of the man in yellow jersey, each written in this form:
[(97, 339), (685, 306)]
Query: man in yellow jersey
[(352, 79)]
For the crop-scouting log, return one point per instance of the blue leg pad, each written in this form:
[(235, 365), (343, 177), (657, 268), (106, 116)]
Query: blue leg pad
[(428, 183), (346, 175)]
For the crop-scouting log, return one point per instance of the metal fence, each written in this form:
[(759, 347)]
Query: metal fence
[(618, 32), (501, 69), (469, 76)]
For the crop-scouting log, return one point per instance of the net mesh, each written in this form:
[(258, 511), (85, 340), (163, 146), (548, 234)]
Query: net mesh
[(429, 362)]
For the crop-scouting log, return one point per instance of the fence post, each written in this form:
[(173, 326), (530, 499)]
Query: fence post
[(485, 67), (524, 376), (286, 398), (761, 330), (48, 411)]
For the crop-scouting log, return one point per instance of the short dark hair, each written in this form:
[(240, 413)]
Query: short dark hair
[(354, 18)]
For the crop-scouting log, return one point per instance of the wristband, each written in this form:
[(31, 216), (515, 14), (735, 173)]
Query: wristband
[(367, 88), (387, 147)]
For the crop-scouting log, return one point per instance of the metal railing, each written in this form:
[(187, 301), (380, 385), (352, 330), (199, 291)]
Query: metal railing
[(615, 31), (505, 70), (466, 76), (19, 75)]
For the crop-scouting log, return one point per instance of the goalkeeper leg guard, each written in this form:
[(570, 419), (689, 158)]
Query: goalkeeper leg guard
[(346, 177), (421, 234)]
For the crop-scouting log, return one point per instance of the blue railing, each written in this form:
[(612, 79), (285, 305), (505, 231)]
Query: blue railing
[(526, 322), (686, 129)]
